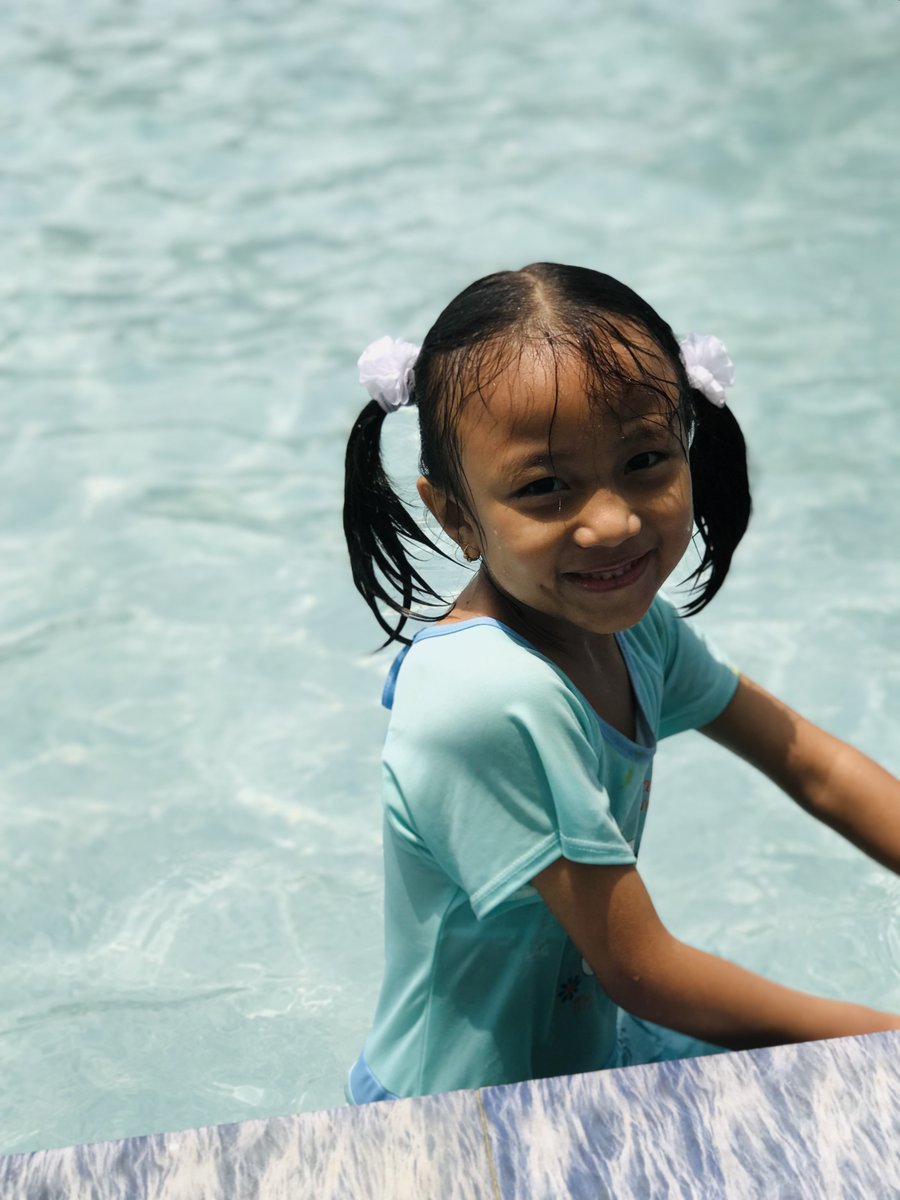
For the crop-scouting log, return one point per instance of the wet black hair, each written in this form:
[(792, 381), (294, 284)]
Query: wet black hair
[(565, 310)]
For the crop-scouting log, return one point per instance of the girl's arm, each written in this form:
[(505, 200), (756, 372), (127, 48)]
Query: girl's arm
[(831, 780), (609, 915)]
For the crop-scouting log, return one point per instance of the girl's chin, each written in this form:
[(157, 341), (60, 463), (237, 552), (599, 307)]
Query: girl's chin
[(576, 603), (559, 623)]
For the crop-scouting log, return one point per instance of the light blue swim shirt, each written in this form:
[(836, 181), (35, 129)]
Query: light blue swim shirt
[(495, 765)]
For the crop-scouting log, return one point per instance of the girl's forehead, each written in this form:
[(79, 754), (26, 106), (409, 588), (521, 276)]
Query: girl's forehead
[(539, 388)]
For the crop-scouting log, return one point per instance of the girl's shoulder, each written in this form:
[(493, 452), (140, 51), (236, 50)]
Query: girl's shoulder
[(658, 630), (670, 640), (479, 663), (477, 686), (480, 646)]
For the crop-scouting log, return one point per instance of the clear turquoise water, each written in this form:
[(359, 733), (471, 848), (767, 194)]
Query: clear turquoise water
[(207, 211)]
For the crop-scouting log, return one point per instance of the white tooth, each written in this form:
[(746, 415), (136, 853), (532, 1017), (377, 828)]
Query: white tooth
[(608, 574)]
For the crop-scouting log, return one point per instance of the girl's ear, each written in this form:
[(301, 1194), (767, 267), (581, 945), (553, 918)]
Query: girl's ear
[(448, 513)]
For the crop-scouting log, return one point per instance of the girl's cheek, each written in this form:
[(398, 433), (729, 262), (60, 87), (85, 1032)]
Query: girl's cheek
[(517, 544)]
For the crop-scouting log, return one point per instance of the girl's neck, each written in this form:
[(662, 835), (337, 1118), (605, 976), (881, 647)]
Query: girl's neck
[(569, 647)]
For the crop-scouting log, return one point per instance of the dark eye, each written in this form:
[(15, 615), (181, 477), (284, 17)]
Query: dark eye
[(542, 487), (649, 458)]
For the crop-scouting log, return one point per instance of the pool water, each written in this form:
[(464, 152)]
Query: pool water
[(207, 212)]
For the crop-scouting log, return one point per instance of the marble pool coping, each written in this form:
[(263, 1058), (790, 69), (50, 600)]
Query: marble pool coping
[(818, 1120)]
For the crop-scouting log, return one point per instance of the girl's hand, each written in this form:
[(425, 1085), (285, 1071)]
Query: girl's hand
[(608, 914), (831, 780)]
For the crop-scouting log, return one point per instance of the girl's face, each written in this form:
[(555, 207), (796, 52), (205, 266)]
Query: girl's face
[(583, 535)]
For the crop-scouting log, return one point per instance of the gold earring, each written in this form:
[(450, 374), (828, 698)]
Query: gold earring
[(470, 554)]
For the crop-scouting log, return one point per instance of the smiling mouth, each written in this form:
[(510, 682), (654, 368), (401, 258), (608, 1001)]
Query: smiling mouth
[(616, 577)]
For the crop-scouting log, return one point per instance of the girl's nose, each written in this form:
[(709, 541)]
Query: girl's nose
[(607, 519)]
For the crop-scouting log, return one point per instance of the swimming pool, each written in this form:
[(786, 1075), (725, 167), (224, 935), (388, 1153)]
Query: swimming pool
[(206, 216)]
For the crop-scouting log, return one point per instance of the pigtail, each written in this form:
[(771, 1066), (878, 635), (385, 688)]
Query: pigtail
[(718, 459), (376, 525)]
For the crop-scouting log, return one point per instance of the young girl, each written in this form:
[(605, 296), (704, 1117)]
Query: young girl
[(569, 447)]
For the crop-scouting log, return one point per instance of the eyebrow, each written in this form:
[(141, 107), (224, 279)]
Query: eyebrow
[(632, 427), (545, 456), (540, 458), (648, 424)]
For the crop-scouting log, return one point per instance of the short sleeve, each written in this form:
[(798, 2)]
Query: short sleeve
[(698, 680), (494, 766)]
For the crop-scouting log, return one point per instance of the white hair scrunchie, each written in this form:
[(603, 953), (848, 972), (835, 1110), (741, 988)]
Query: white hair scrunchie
[(709, 369), (386, 371)]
